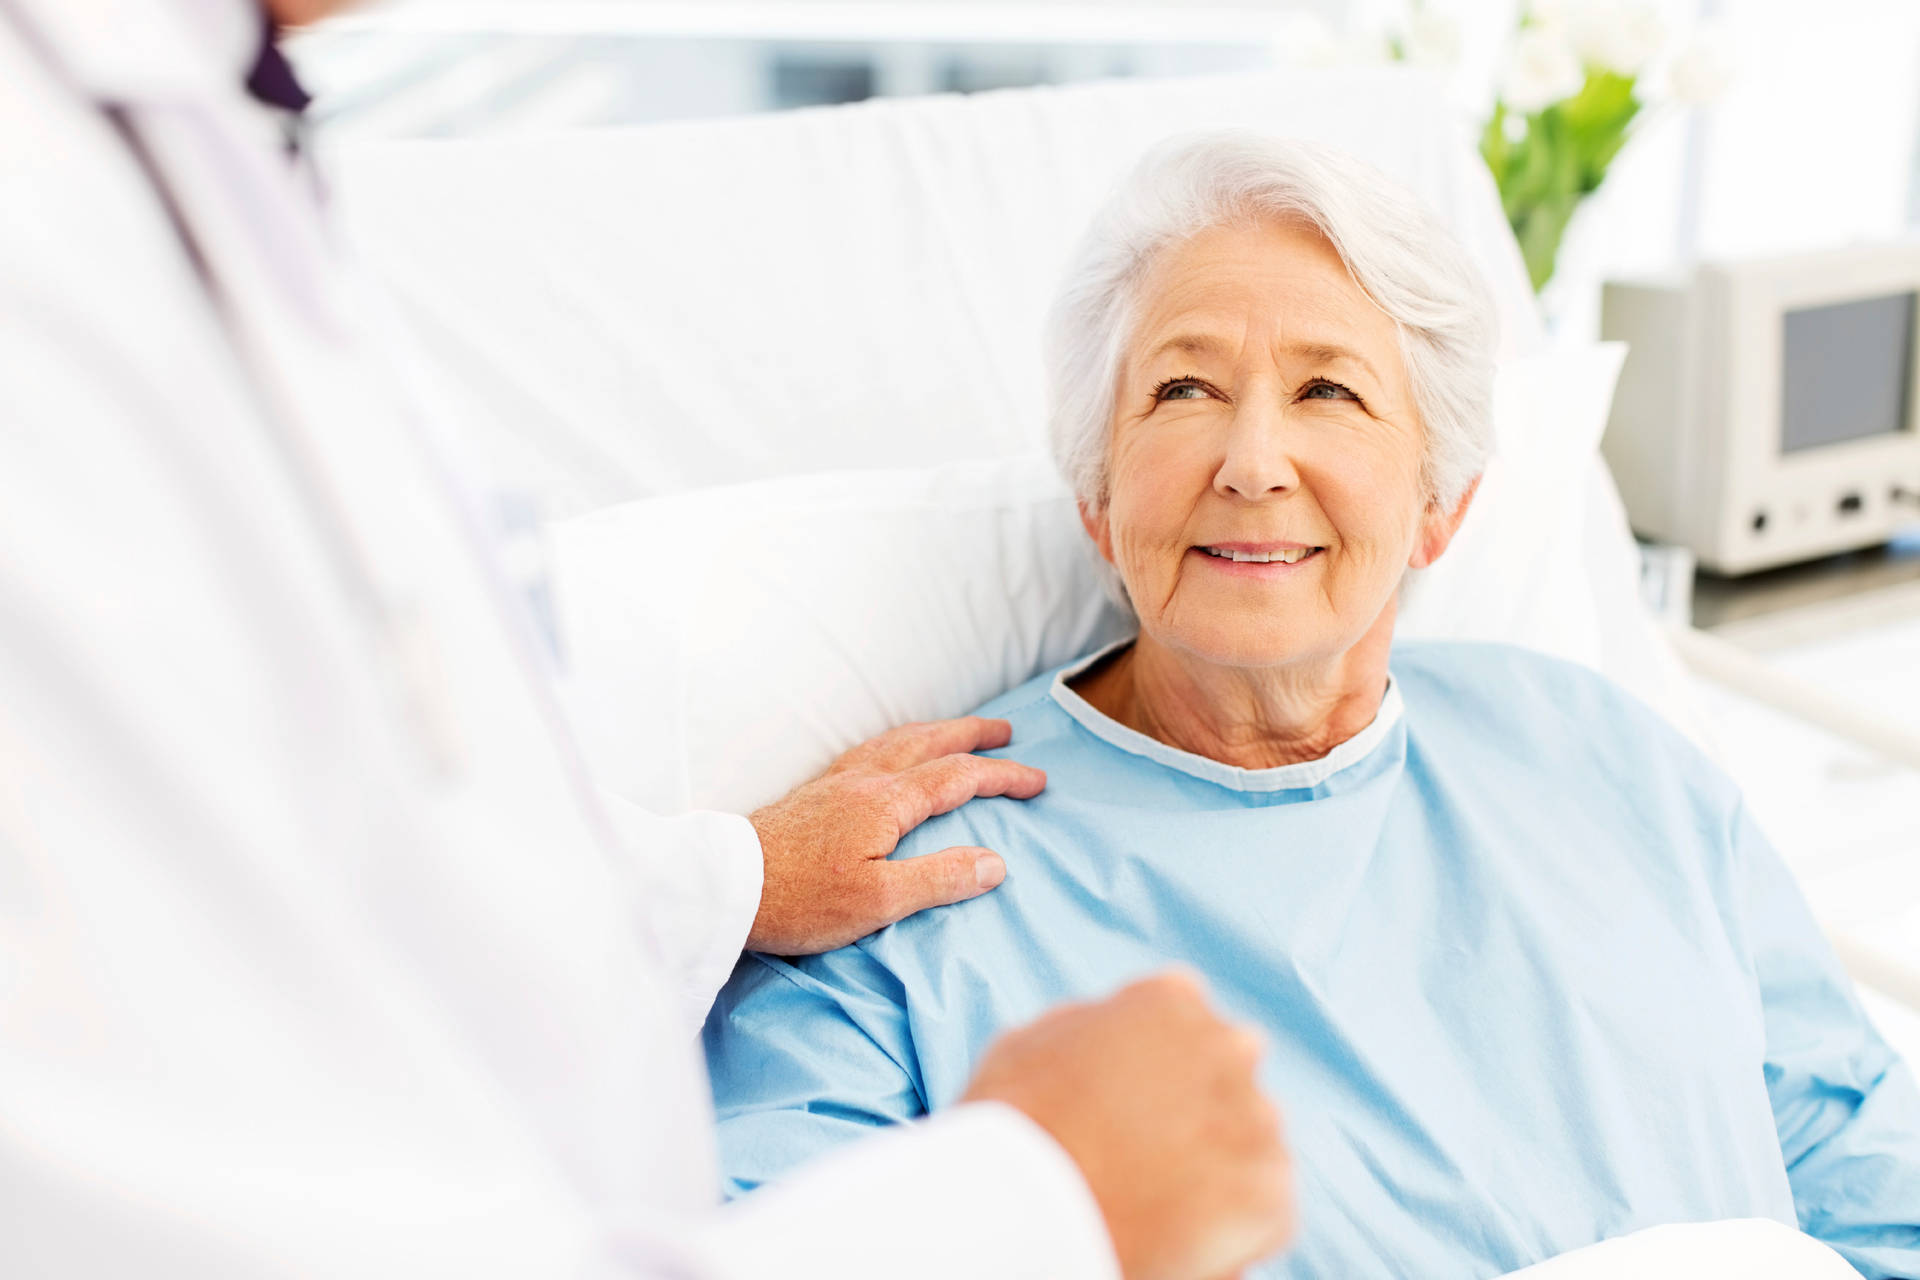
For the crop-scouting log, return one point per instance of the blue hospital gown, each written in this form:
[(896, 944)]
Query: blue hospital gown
[(1532, 977)]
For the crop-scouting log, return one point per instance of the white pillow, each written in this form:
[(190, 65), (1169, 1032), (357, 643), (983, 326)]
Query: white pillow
[(1515, 570), (1737, 1249), (725, 644)]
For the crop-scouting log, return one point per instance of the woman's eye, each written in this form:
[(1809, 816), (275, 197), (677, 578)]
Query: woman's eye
[(1333, 389), (1182, 391)]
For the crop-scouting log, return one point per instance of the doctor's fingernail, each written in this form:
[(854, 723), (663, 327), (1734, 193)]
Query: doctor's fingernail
[(989, 871)]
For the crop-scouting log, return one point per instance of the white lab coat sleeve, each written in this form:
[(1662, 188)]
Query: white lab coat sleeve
[(697, 878), (979, 1190)]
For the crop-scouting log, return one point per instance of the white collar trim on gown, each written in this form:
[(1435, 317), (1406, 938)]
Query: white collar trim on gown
[(1286, 777)]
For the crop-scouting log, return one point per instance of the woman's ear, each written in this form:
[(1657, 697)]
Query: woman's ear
[(1094, 521), (1437, 527)]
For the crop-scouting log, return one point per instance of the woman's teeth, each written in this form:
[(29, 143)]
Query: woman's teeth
[(1291, 556)]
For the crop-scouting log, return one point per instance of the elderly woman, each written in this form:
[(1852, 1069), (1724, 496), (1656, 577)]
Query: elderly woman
[(1532, 978)]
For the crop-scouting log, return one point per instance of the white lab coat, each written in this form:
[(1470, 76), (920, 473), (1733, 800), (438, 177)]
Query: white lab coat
[(318, 954)]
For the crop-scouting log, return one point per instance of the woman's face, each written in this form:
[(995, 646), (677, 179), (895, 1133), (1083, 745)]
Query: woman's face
[(1262, 409)]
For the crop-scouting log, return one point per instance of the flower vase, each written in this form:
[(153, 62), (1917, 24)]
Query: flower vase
[(1570, 300)]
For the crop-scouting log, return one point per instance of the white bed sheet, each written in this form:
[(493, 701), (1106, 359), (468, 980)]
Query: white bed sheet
[(1736, 1249)]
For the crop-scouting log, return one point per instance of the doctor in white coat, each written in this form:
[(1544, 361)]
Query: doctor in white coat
[(318, 954)]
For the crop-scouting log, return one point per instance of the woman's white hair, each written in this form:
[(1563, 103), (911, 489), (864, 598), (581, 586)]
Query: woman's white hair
[(1399, 254)]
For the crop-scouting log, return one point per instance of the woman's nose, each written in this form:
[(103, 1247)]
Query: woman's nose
[(1257, 459)]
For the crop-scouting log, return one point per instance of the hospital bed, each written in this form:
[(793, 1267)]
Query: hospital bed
[(778, 381)]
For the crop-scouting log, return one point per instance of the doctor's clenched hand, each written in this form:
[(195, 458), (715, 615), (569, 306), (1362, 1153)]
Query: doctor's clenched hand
[(1157, 1099), (825, 844)]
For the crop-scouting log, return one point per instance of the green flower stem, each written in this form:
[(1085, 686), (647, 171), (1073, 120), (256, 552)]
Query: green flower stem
[(1555, 158)]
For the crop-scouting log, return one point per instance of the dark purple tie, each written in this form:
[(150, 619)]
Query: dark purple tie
[(271, 80)]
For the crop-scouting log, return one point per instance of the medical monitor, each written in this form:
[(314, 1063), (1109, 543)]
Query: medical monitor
[(1769, 410)]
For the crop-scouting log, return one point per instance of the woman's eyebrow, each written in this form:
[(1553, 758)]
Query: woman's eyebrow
[(1201, 344), (1193, 344), (1330, 353)]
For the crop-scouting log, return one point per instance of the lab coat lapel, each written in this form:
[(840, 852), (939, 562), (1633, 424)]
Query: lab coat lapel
[(145, 52)]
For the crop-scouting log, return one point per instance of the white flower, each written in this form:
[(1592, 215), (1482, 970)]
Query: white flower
[(1617, 37), (1542, 72), (1432, 39), (1701, 71)]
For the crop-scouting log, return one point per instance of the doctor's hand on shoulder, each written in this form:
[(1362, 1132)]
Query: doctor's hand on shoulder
[(828, 881)]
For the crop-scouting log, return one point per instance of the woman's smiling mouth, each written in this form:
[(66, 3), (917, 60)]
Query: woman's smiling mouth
[(1257, 559)]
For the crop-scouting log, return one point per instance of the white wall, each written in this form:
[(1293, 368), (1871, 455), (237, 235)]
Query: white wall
[(1814, 143)]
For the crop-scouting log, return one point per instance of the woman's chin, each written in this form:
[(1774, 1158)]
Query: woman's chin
[(1235, 640)]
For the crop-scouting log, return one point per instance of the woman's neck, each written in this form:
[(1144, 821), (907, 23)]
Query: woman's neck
[(1250, 717)]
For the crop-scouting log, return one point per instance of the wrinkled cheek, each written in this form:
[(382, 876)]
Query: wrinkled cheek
[(1369, 562), (1134, 557), (1149, 516), (1146, 561), (1369, 573)]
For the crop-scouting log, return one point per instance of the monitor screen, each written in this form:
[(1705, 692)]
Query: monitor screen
[(1846, 370)]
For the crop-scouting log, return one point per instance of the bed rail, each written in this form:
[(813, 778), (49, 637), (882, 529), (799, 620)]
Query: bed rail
[(1735, 669)]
